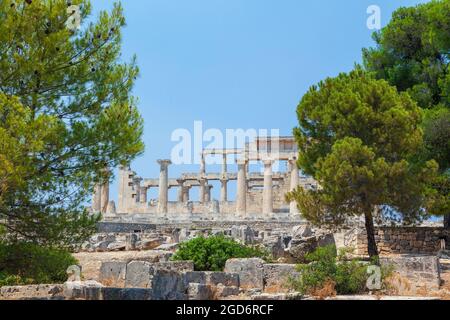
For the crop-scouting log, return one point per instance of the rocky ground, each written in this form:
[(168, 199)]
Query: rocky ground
[(137, 266)]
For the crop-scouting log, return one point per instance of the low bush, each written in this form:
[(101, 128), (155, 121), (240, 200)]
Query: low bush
[(26, 263), (328, 268), (211, 253)]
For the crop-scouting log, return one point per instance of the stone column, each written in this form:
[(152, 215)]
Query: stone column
[(241, 197), (186, 190), (202, 179), (223, 190), (137, 189), (163, 185), (104, 196), (267, 191), (224, 164), (294, 184), (180, 190), (97, 198), (143, 195), (208, 193), (123, 187)]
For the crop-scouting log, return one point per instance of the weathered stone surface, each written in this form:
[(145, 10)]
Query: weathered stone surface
[(276, 277), (150, 244), (168, 247), (85, 290), (113, 273), (101, 246), (41, 291), (222, 291), (251, 272), (224, 278), (277, 296), (183, 235), (302, 231), (91, 262), (168, 285), (116, 246), (420, 271), (197, 291), (138, 274), (178, 266), (131, 240), (275, 245), (244, 234), (120, 294), (300, 247)]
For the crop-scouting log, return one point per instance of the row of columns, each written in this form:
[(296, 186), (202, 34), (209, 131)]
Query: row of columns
[(205, 188), (268, 187)]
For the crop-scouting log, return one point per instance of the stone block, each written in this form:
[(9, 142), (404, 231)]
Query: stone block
[(197, 291), (276, 276), (420, 270), (139, 274), (250, 271), (223, 278), (221, 291), (168, 285), (86, 290), (302, 231), (113, 273), (120, 294)]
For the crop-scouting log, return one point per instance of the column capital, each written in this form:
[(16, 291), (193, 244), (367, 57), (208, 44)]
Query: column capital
[(164, 163), (268, 162), (241, 161)]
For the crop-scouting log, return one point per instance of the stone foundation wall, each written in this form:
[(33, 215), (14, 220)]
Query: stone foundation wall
[(399, 240)]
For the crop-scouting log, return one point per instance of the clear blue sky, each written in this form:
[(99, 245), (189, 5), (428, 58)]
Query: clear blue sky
[(235, 63)]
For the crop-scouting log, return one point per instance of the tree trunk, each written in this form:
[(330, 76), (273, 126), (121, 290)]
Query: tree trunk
[(370, 230), (447, 227)]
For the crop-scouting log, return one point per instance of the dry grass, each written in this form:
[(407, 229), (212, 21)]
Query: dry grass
[(326, 291)]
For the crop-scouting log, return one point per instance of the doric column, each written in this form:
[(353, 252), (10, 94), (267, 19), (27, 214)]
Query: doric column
[(100, 197), (223, 190), (180, 190), (105, 196), (268, 192), (97, 198), (123, 187), (202, 179), (202, 191), (293, 209), (224, 164), (137, 189), (143, 195), (241, 197), (186, 190), (163, 185), (208, 193)]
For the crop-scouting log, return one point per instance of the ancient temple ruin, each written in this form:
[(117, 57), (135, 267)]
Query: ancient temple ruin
[(259, 195)]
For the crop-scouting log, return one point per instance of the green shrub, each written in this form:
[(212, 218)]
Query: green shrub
[(211, 253), (27, 263), (325, 267)]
